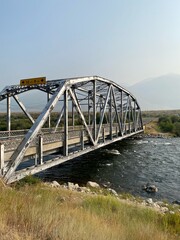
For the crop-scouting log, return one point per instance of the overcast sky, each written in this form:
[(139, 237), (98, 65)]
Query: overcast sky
[(123, 40)]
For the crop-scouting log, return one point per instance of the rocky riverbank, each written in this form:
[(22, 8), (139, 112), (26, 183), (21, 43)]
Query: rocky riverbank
[(94, 188), (32, 209)]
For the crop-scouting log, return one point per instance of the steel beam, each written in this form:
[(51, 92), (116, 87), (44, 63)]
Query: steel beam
[(102, 115), (73, 114), (82, 139), (49, 117), (89, 108), (78, 108), (66, 123), (59, 119), (21, 105), (117, 115), (40, 150), (94, 110), (1, 158), (8, 113), (110, 115)]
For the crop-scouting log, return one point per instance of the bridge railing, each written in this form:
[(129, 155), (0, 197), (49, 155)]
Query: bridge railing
[(12, 140)]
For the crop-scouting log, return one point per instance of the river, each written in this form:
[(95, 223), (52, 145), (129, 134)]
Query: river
[(141, 161)]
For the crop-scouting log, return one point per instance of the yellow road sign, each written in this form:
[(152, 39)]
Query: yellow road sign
[(32, 81)]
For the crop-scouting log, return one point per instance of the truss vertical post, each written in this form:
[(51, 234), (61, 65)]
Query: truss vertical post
[(40, 149), (36, 159), (8, 114), (73, 114), (89, 116), (94, 109), (82, 139), (1, 158), (66, 122), (129, 113), (122, 111), (134, 116), (110, 115), (137, 121), (103, 134), (117, 132), (49, 117)]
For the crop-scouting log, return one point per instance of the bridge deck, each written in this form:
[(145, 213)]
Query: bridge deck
[(55, 147)]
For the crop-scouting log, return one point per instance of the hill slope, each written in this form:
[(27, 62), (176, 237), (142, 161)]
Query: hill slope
[(158, 93)]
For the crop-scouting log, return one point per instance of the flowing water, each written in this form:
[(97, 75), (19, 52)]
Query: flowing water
[(141, 161)]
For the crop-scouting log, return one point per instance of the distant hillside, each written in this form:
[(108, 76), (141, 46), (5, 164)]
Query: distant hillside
[(158, 93)]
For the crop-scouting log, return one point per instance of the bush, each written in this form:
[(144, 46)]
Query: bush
[(28, 180), (165, 124), (176, 129)]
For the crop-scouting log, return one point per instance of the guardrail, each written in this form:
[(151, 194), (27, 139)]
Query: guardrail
[(12, 139)]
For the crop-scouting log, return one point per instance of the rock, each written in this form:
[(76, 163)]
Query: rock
[(70, 186), (149, 201), (164, 209), (171, 212), (55, 184), (150, 188), (160, 203), (76, 186), (92, 184), (106, 185), (112, 191), (113, 151)]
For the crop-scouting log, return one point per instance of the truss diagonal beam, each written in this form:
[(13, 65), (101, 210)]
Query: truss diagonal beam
[(78, 108), (117, 115), (59, 119), (102, 116), (125, 116), (21, 105)]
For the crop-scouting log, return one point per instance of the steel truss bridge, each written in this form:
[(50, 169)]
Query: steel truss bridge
[(105, 111)]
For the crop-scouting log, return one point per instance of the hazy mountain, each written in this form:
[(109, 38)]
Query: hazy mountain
[(158, 93)]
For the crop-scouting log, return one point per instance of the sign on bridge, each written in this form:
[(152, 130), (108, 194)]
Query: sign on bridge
[(33, 81)]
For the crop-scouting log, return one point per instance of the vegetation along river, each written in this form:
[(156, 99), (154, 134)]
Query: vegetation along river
[(141, 161)]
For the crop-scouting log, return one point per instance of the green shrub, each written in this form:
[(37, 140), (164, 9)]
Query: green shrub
[(176, 128), (28, 180)]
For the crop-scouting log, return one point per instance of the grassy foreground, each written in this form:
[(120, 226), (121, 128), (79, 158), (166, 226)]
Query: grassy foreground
[(41, 212)]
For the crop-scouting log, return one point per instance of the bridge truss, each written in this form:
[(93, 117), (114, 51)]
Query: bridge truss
[(93, 112)]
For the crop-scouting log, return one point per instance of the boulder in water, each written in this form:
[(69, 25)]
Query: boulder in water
[(113, 151), (150, 188)]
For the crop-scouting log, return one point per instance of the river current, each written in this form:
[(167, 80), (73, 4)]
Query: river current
[(141, 161)]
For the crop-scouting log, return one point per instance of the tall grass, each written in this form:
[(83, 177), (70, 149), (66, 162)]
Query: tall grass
[(39, 212)]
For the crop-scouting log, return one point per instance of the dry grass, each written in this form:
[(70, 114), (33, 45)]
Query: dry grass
[(39, 212)]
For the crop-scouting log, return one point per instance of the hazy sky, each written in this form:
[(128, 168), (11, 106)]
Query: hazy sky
[(123, 40)]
